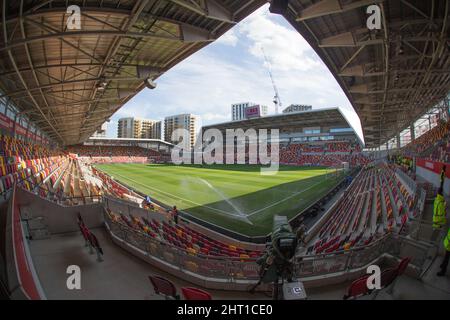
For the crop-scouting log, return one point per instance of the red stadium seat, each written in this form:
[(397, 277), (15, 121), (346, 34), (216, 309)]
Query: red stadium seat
[(190, 293), (401, 268), (358, 288), (388, 276), (164, 287)]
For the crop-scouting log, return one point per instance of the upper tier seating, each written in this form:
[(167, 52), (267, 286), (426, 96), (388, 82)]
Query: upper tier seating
[(26, 164), (117, 154), (442, 152), (432, 138), (329, 154)]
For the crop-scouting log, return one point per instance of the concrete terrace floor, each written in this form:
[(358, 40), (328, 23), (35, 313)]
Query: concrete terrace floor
[(124, 276)]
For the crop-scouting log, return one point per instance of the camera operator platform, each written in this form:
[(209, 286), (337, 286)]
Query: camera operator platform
[(277, 265)]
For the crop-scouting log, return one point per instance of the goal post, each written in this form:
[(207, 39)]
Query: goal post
[(336, 171)]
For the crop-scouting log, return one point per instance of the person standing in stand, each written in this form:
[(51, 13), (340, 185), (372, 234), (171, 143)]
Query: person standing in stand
[(444, 263), (439, 215), (444, 168), (175, 214)]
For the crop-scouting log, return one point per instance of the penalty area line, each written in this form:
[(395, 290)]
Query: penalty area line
[(283, 200)]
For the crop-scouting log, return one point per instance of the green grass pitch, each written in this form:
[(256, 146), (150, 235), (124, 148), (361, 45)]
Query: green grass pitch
[(236, 197)]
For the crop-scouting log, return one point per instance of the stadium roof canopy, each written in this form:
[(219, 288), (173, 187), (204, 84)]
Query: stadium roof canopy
[(117, 141), (327, 117), (69, 81), (391, 76)]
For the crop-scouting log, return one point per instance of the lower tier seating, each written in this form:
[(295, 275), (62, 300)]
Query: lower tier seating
[(183, 237), (376, 203)]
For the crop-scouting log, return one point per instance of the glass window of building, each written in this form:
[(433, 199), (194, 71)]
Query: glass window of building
[(337, 130)]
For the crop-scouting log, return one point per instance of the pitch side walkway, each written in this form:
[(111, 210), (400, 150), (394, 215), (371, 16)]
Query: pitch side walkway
[(123, 276), (120, 276)]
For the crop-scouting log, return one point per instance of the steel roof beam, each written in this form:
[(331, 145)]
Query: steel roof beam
[(22, 80), (349, 39), (30, 61), (62, 83), (423, 14), (89, 13), (327, 7), (360, 71), (208, 8), (66, 65), (85, 33), (346, 39), (77, 103)]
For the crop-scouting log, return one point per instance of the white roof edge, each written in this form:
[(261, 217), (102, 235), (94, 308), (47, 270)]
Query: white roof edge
[(351, 126), (127, 139), (280, 115)]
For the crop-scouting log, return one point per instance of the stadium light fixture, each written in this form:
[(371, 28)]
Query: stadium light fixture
[(148, 73), (149, 83), (102, 84)]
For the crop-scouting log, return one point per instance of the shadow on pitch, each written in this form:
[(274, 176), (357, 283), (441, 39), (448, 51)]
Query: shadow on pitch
[(262, 205), (240, 167)]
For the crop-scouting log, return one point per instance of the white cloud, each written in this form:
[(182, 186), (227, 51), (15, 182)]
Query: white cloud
[(285, 48), (230, 38), (209, 86)]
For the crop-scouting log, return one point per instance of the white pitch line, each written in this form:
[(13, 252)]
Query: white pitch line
[(218, 210), (177, 197), (287, 198)]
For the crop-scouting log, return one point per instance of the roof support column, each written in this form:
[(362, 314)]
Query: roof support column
[(6, 105), (413, 132), (398, 141), (447, 107)]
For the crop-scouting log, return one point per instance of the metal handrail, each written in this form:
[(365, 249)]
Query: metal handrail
[(246, 269)]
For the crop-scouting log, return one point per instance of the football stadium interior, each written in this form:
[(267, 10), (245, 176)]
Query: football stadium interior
[(140, 226)]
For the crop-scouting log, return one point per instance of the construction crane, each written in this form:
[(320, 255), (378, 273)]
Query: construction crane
[(276, 98)]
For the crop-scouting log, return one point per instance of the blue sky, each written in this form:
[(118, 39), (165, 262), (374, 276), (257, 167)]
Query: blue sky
[(232, 69)]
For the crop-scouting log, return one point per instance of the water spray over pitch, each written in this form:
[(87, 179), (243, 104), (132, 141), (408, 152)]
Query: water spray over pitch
[(240, 214)]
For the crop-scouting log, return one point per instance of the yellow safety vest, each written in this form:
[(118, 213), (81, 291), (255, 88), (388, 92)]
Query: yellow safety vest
[(447, 241), (439, 218)]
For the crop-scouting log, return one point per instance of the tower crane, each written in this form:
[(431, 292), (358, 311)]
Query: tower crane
[(276, 97)]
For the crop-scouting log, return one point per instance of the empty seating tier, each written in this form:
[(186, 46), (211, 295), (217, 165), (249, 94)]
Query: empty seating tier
[(183, 237), (375, 204)]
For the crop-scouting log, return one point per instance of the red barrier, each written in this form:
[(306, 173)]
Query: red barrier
[(24, 273), (434, 166), (6, 123)]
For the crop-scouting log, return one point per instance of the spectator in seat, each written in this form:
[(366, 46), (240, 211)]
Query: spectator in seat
[(175, 214), (301, 234), (349, 180), (147, 202), (439, 215), (444, 263)]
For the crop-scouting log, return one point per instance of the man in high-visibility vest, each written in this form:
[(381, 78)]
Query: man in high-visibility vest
[(444, 263), (439, 219)]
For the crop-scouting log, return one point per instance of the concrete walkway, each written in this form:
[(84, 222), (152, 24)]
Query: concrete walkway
[(120, 276), (123, 276)]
